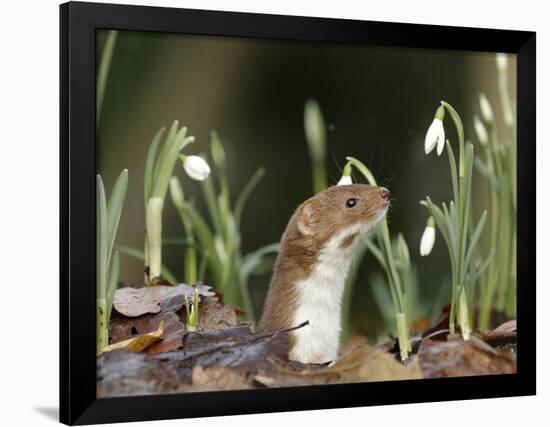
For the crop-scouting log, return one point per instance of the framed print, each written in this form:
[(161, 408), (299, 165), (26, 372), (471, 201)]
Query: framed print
[(269, 213)]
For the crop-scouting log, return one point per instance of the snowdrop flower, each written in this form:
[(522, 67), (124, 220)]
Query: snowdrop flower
[(481, 131), (346, 176), (428, 238), (196, 167), (345, 180), (436, 133), (486, 109)]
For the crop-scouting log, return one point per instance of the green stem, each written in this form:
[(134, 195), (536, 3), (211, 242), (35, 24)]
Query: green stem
[(319, 176), (395, 285), (461, 225), (101, 330), (402, 335), (490, 278), (213, 209), (154, 237), (245, 297)]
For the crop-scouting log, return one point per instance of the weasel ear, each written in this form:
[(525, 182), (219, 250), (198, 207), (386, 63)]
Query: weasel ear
[(306, 218)]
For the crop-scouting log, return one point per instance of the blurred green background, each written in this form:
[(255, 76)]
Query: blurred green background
[(377, 103)]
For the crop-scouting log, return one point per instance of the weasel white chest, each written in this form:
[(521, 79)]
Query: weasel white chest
[(319, 302)]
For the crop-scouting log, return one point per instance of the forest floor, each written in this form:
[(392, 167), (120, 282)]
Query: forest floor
[(151, 352)]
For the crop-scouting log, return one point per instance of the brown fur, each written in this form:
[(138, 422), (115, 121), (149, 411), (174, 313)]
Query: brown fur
[(348, 241), (312, 225)]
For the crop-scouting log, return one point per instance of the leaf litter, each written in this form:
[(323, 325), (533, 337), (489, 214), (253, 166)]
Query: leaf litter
[(151, 352)]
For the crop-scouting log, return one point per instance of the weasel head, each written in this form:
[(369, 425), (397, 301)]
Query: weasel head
[(349, 211)]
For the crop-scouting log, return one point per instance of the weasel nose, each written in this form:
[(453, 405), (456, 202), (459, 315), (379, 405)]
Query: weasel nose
[(385, 194)]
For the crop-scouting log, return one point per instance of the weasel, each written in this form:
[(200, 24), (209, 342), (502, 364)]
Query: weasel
[(310, 272)]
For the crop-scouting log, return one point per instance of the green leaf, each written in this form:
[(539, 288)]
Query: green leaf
[(137, 254), (209, 193), (113, 283), (114, 210), (167, 161), (252, 261), (150, 164), (480, 269), (245, 194), (315, 130), (206, 238), (377, 253), (443, 228), (469, 161), (225, 213), (403, 250), (218, 156), (475, 237), (486, 173), (391, 270), (382, 298), (163, 152), (103, 71), (450, 215), (218, 153), (102, 239), (452, 164)]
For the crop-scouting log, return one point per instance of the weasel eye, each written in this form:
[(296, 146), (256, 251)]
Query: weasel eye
[(350, 203)]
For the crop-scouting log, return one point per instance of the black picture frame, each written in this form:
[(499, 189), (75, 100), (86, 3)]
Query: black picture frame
[(78, 25)]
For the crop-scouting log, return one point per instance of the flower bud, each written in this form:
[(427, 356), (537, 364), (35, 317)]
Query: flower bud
[(346, 176), (196, 167), (428, 238)]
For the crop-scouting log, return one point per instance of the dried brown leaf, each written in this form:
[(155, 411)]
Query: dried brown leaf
[(507, 327), (456, 357), (362, 363), (218, 378), (127, 327), (236, 348), (121, 373), (133, 302), (138, 343), (505, 334), (217, 316)]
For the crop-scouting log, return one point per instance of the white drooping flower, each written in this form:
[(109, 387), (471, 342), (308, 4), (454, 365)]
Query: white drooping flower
[(486, 109), (481, 131), (346, 176), (428, 238), (196, 167), (436, 133), (345, 180)]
